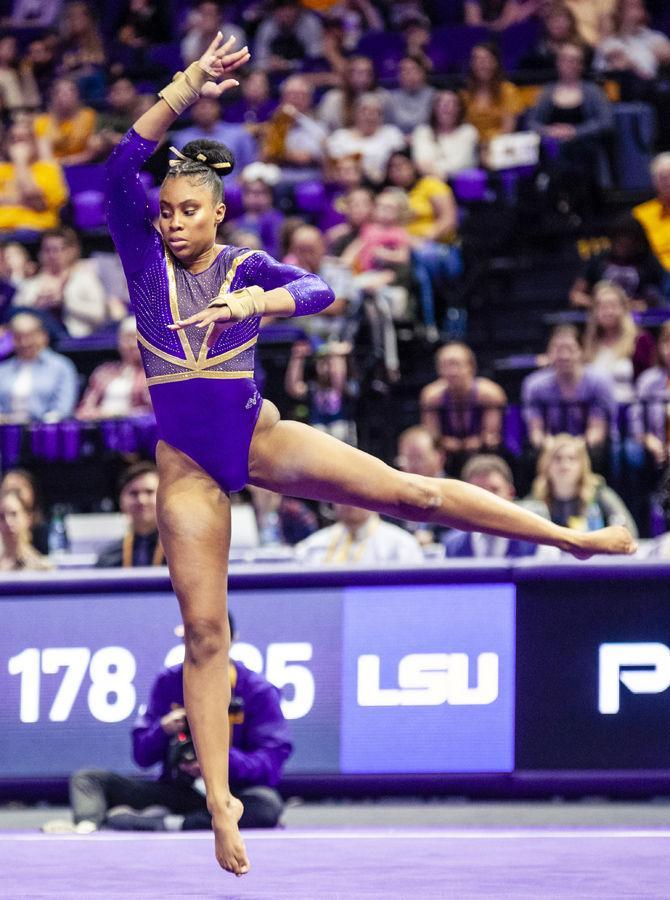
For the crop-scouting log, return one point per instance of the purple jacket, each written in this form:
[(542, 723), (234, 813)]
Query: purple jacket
[(260, 744)]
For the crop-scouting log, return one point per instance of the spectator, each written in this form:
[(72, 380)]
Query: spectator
[(281, 520), (17, 263), (293, 138), (40, 62), (337, 106), (260, 215), (32, 188), (18, 88), (204, 21), (420, 454), (35, 383), (67, 126), (566, 397), (633, 48), (574, 115), (650, 416), (208, 124), (82, 51), (629, 263), (432, 226), (567, 492), (593, 17), (144, 22), (491, 103), (141, 545), (417, 31), (447, 144), (255, 106), (66, 287), (613, 344), (559, 27), (118, 389), (359, 537), (35, 13), (18, 552), (118, 118), (491, 473), (331, 395), (410, 104), (463, 411), (358, 206), (287, 37), (369, 137), (260, 746), (654, 215), (497, 15), (25, 485)]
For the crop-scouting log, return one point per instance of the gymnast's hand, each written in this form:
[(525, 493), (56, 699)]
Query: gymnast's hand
[(218, 60), (226, 310)]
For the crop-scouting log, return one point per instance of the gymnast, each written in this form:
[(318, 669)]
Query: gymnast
[(198, 306)]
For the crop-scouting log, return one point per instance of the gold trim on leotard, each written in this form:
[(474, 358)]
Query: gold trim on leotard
[(228, 280), (174, 309), (161, 354), (198, 373)]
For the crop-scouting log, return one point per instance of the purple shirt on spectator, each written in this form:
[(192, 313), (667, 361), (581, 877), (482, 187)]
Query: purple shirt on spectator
[(260, 744), (651, 416), (542, 398)]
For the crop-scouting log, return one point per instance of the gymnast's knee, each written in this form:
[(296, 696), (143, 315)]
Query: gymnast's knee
[(205, 637), (418, 496)]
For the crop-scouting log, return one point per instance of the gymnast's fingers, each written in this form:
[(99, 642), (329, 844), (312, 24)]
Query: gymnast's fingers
[(184, 323), (214, 335), (214, 46)]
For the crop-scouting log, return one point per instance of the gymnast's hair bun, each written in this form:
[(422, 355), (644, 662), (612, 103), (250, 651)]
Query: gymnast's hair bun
[(212, 154)]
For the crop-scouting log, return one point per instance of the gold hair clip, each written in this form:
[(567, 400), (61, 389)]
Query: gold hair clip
[(199, 158)]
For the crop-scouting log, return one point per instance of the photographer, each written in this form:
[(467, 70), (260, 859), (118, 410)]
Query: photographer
[(259, 747)]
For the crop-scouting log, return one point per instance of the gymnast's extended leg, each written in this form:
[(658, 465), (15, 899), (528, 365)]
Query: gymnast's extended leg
[(194, 525), (292, 458)]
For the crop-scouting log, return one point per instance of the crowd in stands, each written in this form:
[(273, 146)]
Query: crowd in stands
[(368, 138)]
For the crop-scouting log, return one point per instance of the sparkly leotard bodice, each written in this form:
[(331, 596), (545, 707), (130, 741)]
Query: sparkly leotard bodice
[(205, 399)]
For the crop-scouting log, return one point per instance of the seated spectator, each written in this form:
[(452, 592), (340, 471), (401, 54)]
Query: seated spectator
[(18, 552), (593, 17), (25, 485), (40, 61), (141, 545), (209, 125), (144, 22), (67, 126), (650, 416), (369, 137), (417, 30), (115, 121), (205, 20), (567, 491), (447, 144), (17, 264), (32, 188), (281, 520), (463, 411), (259, 212), (567, 397), (491, 473), (18, 88), (613, 344), (35, 383), (358, 206), (331, 396), (287, 37), (629, 263), (82, 51), (35, 13), (654, 215), (410, 104), (293, 138), (118, 389), (491, 103), (559, 27), (633, 48), (336, 108), (420, 454), (575, 116), (66, 287), (497, 15), (260, 746), (359, 537), (254, 106), (432, 227)]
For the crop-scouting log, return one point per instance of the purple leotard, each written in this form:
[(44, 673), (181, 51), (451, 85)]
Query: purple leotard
[(206, 401)]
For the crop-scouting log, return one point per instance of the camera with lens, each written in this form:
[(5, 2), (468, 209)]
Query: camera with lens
[(182, 749)]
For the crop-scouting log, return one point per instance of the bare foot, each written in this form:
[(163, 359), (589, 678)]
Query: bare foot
[(229, 846), (611, 541)]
